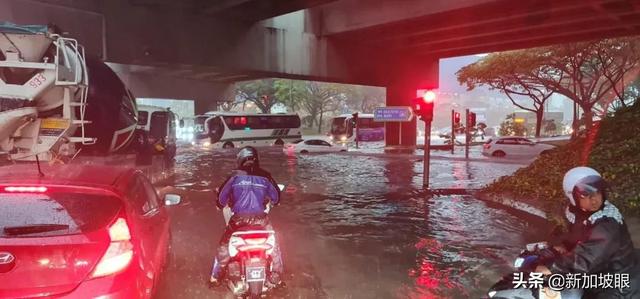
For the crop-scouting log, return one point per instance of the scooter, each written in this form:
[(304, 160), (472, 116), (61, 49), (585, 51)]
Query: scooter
[(250, 250), (533, 255)]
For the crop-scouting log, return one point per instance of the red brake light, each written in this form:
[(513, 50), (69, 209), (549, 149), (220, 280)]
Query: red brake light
[(32, 189), (487, 146), (120, 252)]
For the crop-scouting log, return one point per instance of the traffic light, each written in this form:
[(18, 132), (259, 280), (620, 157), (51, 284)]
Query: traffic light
[(471, 122), (423, 106), (355, 118), (456, 118)]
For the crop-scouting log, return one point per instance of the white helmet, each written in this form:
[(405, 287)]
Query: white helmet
[(580, 176)]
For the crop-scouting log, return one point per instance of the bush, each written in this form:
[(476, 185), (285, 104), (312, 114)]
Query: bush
[(613, 149)]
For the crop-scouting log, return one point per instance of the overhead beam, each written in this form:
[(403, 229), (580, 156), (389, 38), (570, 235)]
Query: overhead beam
[(569, 26), (523, 43), (485, 23)]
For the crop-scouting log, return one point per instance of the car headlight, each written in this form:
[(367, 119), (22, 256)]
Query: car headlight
[(206, 144), (492, 293), (343, 138)]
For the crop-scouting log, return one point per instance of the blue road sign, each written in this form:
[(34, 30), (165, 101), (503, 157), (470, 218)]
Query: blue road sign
[(397, 113)]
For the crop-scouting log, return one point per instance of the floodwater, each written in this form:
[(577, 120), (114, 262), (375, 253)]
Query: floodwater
[(355, 225)]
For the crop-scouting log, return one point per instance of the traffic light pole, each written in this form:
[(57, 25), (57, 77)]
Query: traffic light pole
[(427, 154), (466, 135), (453, 130), (357, 133)]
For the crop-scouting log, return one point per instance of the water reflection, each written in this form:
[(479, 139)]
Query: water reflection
[(390, 232)]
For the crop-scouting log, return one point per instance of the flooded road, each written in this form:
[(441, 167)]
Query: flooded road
[(354, 225)]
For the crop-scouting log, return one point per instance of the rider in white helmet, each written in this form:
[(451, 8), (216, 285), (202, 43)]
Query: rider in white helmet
[(599, 241)]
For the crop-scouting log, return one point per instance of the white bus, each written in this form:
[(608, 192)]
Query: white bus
[(343, 129), (229, 130)]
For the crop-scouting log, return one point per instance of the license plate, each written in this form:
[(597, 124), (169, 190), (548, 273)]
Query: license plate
[(256, 274)]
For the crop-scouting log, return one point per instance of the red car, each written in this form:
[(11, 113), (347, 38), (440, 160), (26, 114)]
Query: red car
[(80, 232)]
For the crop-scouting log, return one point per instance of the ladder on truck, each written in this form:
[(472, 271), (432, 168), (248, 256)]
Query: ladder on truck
[(68, 71)]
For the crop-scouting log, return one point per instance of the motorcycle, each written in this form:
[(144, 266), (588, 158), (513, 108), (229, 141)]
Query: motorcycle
[(250, 250), (533, 255)]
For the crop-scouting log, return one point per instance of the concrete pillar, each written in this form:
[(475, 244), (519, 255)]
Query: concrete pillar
[(408, 76)]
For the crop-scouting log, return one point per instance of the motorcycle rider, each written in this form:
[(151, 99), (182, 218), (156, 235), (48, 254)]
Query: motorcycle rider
[(247, 191), (599, 241)]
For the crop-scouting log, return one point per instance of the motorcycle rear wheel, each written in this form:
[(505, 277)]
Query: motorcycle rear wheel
[(255, 289)]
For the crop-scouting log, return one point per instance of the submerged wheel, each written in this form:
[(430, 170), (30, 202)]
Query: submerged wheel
[(499, 154), (228, 145), (304, 151), (278, 142), (255, 289)]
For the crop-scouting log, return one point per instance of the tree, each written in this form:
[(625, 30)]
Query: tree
[(515, 74), (364, 98), (322, 97), (291, 93), (511, 128), (589, 72), (261, 92), (228, 100)]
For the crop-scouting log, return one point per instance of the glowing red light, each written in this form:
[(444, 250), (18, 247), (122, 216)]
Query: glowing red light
[(25, 189), (429, 96), (243, 120)]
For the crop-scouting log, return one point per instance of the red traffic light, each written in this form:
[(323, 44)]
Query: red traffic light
[(471, 122), (456, 118), (429, 96)]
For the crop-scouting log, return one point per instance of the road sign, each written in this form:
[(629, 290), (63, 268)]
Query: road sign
[(398, 113)]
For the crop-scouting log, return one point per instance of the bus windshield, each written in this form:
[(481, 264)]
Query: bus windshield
[(338, 126), (199, 123)]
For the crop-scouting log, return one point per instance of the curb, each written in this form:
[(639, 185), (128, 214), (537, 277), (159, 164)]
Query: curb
[(632, 222)]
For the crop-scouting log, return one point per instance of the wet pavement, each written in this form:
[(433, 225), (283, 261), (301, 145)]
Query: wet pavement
[(355, 225)]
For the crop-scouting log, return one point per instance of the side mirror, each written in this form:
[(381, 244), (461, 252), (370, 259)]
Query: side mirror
[(172, 199), (282, 187), (182, 123)]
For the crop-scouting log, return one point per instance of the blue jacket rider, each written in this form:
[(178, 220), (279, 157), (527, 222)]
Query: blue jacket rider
[(247, 191)]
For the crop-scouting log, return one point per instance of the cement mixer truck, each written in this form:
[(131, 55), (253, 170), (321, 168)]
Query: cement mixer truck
[(55, 102)]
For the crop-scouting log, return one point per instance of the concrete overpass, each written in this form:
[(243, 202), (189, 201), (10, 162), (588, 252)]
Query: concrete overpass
[(194, 48)]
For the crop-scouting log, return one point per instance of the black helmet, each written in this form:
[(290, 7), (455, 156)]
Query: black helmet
[(248, 157)]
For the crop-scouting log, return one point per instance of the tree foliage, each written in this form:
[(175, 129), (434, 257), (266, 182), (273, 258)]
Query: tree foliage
[(513, 73), (511, 128), (593, 74), (260, 92)]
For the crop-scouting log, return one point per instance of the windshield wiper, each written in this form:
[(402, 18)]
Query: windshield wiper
[(32, 229)]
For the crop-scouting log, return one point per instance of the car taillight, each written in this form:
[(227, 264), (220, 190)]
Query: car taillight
[(120, 252), (487, 146), (31, 189)]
